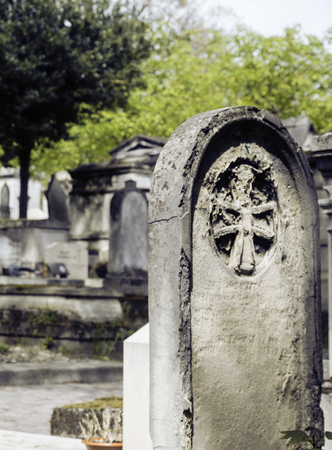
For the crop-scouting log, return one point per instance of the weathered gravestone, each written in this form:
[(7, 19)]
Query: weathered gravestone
[(128, 249), (4, 205), (73, 256), (235, 343), (57, 201)]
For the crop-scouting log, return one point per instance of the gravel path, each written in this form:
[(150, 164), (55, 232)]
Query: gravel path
[(29, 408)]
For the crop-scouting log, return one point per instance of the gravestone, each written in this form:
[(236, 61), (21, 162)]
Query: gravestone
[(73, 256), (127, 265), (4, 205), (234, 301), (57, 201)]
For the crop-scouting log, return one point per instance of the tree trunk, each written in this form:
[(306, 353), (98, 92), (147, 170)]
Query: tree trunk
[(24, 176)]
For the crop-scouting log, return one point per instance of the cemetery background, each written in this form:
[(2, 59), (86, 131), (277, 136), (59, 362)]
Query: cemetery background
[(96, 243), (80, 212)]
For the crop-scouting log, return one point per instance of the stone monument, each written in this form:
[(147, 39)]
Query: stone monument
[(128, 249), (234, 293), (57, 201), (4, 205), (73, 256)]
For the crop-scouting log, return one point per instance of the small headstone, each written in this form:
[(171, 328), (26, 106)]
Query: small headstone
[(4, 205), (73, 256), (234, 301), (128, 241), (57, 201)]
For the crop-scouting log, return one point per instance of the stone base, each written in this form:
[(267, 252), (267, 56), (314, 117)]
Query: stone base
[(65, 422)]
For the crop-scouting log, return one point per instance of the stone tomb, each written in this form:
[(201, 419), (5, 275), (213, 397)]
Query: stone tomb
[(73, 256), (235, 334), (128, 249)]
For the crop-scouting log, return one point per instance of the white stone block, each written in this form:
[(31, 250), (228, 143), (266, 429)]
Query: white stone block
[(136, 435)]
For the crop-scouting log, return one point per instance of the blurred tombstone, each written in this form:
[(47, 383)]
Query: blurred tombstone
[(128, 241), (57, 201), (73, 256), (4, 205)]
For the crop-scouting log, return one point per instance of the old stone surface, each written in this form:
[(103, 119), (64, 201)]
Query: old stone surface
[(65, 422), (233, 286), (127, 265), (58, 203), (74, 256), (23, 241)]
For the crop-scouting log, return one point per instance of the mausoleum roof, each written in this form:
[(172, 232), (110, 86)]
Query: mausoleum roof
[(301, 129), (140, 152)]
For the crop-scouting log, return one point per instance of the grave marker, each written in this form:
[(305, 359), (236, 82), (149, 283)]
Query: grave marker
[(4, 206), (57, 201), (128, 247), (73, 256), (234, 301)]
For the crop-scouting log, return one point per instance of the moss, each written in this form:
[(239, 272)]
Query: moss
[(109, 402)]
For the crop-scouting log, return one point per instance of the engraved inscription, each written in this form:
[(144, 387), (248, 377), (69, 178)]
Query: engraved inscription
[(243, 216)]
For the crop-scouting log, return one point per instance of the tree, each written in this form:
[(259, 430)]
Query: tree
[(61, 60), (202, 70)]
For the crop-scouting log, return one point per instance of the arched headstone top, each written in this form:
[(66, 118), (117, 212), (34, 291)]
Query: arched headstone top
[(128, 240), (233, 285), (178, 163), (4, 205), (119, 196)]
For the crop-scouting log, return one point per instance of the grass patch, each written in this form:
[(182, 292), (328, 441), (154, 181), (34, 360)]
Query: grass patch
[(4, 349), (64, 350), (103, 402), (45, 317)]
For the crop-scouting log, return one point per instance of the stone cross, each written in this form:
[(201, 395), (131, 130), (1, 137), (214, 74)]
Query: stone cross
[(234, 299), (240, 222)]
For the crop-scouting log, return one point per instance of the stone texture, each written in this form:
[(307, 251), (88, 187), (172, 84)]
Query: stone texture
[(65, 422), (58, 201), (23, 242), (233, 285), (74, 256), (127, 267)]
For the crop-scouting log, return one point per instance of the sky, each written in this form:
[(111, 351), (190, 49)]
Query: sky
[(271, 17)]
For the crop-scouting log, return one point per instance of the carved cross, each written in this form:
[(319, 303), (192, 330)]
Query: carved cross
[(244, 220)]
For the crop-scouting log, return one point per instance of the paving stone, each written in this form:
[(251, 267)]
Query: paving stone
[(27, 441), (29, 408)]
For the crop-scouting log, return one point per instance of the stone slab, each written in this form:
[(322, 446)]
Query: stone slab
[(136, 433), (65, 422), (61, 372), (74, 256), (81, 310), (27, 441), (37, 282)]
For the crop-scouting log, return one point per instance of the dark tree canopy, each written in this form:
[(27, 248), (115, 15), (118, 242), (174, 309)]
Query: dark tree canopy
[(60, 59)]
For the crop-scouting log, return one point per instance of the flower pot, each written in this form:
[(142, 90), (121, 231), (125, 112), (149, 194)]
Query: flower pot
[(99, 445)]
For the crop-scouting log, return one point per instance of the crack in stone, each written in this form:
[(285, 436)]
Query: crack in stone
[(162, 220)]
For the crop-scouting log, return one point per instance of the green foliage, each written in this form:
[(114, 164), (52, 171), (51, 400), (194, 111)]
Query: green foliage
[(123, 326), (48, 343), (198, 71), (22, 342), (64, 350), (315, 436), (60, 61), (4, 349), (45, 317)]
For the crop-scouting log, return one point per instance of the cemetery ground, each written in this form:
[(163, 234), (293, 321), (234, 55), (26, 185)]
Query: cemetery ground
[(26, 410)]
